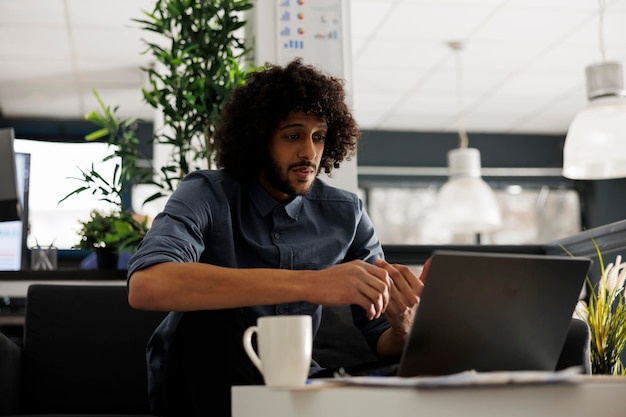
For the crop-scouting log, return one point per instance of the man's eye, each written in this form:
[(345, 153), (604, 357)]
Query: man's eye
[(319, 138), (293, 137)]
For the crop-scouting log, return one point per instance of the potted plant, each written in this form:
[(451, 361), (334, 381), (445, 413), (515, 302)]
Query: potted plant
[(118, 229), (605, 313), (202, 61), (110, 233), (199, 59)]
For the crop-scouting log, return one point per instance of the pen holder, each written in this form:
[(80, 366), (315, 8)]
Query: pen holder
[(43, 259)]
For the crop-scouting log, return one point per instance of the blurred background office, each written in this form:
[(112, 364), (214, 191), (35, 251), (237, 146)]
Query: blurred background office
[(516, 86)]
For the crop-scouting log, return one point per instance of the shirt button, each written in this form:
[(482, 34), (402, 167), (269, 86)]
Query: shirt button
[(276, 236), (282, 310)]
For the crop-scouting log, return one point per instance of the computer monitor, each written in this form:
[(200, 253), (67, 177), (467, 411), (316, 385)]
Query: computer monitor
[(14, 185), (10, 207)]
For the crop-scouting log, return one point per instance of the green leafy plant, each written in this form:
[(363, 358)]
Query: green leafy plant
[(115, 231), (200, 57), (123, 142), (605, 314)]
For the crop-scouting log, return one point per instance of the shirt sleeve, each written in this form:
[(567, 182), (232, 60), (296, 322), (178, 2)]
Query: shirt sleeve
[(365, 245), (176, 234)]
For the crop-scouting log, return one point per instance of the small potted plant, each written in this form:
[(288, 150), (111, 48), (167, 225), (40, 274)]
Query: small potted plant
[(108, 234), (605, 314)]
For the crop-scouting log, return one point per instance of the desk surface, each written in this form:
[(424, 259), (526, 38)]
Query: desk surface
[(16, 283), (65, 275), (596, 396)]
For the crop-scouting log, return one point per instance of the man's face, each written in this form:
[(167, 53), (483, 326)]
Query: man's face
[(295, 150)]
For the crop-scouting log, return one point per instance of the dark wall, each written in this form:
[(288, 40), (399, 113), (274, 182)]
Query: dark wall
[(424, 149), (73, 131), (602, 201)]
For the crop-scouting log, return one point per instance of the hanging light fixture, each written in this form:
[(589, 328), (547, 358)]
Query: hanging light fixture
[(466, 202), (595, 145)]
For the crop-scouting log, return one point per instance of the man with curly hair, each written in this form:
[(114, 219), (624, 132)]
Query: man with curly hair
[(263, 235)]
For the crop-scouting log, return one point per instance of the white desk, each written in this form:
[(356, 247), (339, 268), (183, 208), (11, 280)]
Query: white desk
[(596, 397)]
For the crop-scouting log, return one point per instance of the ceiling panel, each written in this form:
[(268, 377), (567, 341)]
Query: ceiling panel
[(522, 64), (369, 14), (34, 44), (398, 55), (522, 25), (31, 13), (431, 21)]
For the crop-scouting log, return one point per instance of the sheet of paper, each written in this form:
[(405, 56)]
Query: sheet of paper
[(467, 378)]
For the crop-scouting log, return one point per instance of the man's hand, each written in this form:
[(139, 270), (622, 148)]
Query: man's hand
[(405, 291), (355, 282)]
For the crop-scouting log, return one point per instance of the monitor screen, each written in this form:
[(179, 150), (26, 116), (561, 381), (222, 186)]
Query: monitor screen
[(14, 182), (10, 208)]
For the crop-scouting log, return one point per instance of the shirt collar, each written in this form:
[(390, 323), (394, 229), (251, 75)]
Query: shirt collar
[(265, 203)]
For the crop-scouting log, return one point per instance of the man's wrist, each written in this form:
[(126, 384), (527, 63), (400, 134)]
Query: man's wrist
[(391, 342)]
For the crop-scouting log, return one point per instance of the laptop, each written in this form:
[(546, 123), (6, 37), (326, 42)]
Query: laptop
[(488, 312)]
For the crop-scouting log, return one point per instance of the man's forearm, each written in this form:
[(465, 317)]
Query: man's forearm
[(193, 286)]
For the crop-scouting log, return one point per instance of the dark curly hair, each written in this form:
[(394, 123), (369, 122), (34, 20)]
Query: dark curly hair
[(269, 96)]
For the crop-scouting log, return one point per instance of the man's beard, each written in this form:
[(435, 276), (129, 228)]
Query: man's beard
[(273, 176)]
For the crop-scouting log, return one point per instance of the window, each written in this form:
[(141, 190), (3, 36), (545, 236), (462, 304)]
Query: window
[(530, 215), (52, 166)]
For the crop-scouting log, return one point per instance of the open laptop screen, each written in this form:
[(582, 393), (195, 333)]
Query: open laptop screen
[(488, 312)]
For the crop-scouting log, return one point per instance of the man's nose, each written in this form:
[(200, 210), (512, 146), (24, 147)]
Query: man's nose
[(307, 149)]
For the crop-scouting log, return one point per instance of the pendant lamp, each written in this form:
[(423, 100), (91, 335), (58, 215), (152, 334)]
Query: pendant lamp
[(595, 145), (466, 202)]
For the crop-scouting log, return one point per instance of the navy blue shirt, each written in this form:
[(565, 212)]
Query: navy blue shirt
[(213, 218)]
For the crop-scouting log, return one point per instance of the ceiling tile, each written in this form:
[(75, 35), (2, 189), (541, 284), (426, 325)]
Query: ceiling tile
[(39, 100), (473, 83), (107, 13), (31, 13), (616, 5), (537, 86), (563, 5), (379, 81), (366, 15), (400, 54), (556, 116), (105, 44), (613, 32), (370, 109), (566, 60), (432, 21), (522, 64), (498, 55), (35, 45), (15, 70), (530, 25), (435, 111)]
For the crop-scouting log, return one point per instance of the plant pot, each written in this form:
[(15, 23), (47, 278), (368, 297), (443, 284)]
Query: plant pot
[(106, 259)]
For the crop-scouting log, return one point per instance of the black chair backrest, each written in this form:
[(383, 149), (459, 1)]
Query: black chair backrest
[(84, 351)]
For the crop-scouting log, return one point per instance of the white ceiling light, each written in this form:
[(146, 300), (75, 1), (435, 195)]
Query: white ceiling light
[(466, 202), (595, 145)]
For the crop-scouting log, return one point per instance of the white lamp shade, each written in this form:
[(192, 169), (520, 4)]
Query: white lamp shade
[(595, 145), (466, 202)]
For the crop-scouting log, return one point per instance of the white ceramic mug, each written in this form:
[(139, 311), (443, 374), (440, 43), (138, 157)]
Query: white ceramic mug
[(285, 344)]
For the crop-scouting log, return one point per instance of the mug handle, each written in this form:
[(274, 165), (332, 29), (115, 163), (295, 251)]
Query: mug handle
[(247, 345)]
